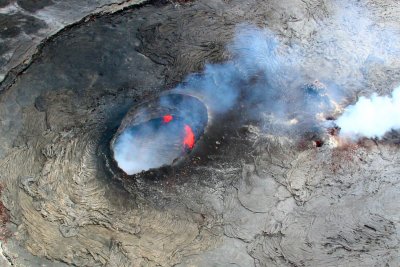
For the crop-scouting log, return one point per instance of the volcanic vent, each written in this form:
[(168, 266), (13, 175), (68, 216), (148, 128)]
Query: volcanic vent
[(159, 132)]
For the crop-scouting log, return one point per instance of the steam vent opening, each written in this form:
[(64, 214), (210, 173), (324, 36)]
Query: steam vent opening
[(159, 133)]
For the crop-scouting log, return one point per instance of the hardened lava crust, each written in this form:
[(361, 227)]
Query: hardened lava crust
[(255, 190)]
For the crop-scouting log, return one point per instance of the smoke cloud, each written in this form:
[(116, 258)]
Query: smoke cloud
[(267, 74), (152, 145), (371, 117), (162, 131)]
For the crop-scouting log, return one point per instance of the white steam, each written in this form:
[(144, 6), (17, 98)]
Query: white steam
[(146, 148), (371, 117), (266, 73)]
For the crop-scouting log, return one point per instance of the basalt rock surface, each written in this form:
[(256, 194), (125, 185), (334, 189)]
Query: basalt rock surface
[(257, 198), (26, 24)]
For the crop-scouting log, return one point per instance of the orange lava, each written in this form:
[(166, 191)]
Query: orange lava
[(188, 141), (167, 118)]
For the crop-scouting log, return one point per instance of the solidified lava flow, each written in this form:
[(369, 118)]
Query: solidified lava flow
[(208, 188)]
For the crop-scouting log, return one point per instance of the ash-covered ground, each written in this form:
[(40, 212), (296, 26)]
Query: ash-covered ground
[(263, 194)]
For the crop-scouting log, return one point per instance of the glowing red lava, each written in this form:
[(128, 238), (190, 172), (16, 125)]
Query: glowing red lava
[(188, 141), (167, 118)]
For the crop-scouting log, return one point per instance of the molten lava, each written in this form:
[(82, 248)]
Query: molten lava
[(189, 139), (167, 118), (174, 124)]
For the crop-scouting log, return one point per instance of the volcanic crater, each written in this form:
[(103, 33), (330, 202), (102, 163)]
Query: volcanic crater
[(234, 185)]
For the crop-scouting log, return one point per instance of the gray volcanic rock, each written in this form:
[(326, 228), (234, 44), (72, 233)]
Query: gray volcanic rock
[(33, 6), (15, 24), (24, 24), (259, 197), (4, 3)]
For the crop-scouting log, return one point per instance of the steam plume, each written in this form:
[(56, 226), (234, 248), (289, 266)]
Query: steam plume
[(371, 117), (268, 74)]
